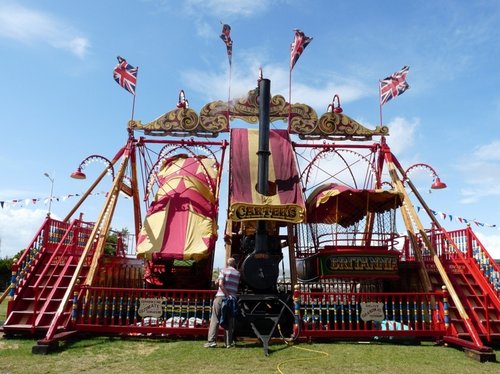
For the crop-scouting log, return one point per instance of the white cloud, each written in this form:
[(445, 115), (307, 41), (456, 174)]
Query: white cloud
[(477, 192), (205, 30), (31, 26), (402, 133), (227, 8), (78, 45), (491, 243), (321, 96), (481, 173), (214, 86), (488, 152), (225, 11), (17, 228)]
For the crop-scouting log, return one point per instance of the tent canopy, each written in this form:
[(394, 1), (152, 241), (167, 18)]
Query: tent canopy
[(336, 203), (181, 221)]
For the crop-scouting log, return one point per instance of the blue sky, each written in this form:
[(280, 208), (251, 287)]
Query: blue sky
[(59, 103)]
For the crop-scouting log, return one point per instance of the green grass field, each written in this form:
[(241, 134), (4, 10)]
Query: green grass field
[(117, 355)]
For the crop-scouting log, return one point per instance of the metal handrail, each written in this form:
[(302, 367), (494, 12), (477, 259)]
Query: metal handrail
[(462, 257), (59, 254)]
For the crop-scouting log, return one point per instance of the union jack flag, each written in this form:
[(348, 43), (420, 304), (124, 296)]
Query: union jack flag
[(125, 75), (300, 42), (393, 85), (226, 38)]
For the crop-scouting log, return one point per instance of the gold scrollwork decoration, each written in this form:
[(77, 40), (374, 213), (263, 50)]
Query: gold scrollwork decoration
[(183, 119), (214, 117), (246, 108), (278, 108), (187, 119), (213, 109), (214, 124), (299, 125), (303, 119), (341, 127)]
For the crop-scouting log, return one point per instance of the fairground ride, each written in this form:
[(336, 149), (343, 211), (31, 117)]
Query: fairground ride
[(313, 208)]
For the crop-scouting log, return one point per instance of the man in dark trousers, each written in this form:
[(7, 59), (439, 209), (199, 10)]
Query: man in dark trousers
[(228, 282)]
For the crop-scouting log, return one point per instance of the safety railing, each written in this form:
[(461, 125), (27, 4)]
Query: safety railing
[(369, 315), (458, 245), (484, 261), (70, 246), (481, 269), (313, 238), (29, 258), (465, 246), (455, 249), (142, 311)]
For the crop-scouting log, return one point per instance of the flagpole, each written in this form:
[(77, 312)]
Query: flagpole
[(379, 103), (229, 90), (226, 38), (290, 98), (133, 100), (133, 108)]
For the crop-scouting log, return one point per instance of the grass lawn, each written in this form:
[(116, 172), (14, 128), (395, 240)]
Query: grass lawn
[(117, 355)]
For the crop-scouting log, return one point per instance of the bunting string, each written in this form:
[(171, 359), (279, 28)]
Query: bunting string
[(451, 218), (20, 203)]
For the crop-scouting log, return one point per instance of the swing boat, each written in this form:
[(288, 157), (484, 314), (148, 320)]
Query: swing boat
[(318, 260)]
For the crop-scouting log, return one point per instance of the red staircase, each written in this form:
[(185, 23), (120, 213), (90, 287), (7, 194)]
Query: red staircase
[(43, 274), (475, 278)]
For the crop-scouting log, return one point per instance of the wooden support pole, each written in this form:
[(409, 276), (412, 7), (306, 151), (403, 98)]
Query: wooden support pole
[(405, 212)]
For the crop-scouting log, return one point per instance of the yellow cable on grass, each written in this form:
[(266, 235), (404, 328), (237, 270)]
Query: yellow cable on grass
[(325, 354)]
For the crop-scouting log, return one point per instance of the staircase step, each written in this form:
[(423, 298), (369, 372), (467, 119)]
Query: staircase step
[(40, 300), (22, 312), (491, 322), (491, 309), (44, 286), (19, 326)]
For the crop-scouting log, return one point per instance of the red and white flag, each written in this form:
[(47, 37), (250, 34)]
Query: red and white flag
[(226, 38), (300, 42), (125, 75), (394, 85)]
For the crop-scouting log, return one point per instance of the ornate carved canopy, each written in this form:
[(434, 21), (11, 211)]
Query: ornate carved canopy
[(214, 118)]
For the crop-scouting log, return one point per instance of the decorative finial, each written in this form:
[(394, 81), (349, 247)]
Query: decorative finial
[(183, 103)]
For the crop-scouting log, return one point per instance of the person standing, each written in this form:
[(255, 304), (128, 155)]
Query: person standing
[(228, 281)]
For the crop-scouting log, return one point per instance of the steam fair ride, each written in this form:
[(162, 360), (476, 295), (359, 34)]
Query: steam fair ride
[(313, 209)]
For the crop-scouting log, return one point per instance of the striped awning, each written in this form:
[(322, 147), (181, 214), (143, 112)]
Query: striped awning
[(181, 222), (285, 201)]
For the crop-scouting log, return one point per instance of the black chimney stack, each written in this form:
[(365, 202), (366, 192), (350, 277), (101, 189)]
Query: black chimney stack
[(260, 269), (263, 159)]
